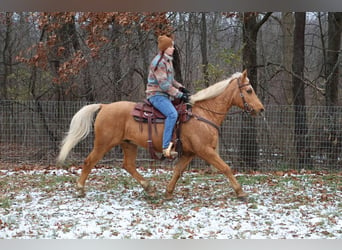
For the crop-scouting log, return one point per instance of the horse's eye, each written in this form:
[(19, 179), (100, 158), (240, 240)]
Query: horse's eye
[(249, 91)]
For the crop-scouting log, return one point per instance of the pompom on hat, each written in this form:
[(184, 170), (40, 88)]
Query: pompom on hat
[(164, 42)]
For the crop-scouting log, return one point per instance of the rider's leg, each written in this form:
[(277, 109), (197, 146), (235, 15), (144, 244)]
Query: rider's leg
[(165, 106)]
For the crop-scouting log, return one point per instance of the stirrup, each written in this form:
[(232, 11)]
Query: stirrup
[(168, 153)]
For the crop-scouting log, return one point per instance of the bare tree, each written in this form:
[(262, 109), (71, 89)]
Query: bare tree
[(287, 28), (248, 143), (6, 55), (204, 50), (117, 73), (332, 78), (188, 28), (298, 63), (333, 60)]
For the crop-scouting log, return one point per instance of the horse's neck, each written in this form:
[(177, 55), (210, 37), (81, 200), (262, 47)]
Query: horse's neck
[(214, 109)]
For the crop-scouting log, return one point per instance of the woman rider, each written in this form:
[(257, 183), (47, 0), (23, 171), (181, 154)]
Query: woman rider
[(162, 87)]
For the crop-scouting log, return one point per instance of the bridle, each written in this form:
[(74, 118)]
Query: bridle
[(246, 107)]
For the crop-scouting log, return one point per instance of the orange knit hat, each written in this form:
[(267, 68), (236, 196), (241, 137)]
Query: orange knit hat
[(164, 42)]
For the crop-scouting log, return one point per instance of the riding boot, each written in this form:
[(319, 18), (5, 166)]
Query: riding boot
[(169, 152)]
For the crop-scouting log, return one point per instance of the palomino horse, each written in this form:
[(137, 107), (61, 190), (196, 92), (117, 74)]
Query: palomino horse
[(114, 125)]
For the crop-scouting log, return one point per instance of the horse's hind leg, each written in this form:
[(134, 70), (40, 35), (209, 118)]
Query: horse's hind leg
[(129, 164), (95, 155)]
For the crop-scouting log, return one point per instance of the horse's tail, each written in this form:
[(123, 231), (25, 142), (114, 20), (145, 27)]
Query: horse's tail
[(80, 127)]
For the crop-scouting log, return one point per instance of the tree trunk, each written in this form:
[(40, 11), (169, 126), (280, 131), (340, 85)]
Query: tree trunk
[(6, 56), (143, 72), (332, 78), (287, 28), (248, 142), (66, 37), (189, 49), (332, 67), (204, 50), (301, 129), (117, 73)]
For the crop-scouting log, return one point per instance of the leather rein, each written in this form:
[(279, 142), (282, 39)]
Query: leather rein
[(247, 109)]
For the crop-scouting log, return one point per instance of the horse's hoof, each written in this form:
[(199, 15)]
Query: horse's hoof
[(242, 197), (151, 191), (152, 194), (80, 194), (168, 196)]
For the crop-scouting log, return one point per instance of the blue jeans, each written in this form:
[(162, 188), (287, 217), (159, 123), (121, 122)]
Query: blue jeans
[(164, 105)]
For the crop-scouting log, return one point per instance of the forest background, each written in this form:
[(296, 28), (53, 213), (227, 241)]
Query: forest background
[(293, 59), (105, 56)]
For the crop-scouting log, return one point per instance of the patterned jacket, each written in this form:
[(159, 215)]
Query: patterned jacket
[(161, 81)]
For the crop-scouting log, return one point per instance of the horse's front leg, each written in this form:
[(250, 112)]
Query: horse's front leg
[(212, 157), (177, 172)]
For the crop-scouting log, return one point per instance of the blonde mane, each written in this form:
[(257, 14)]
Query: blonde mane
[(213, 90)]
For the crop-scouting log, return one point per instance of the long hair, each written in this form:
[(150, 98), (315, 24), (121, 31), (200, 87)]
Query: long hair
[(161, 57)]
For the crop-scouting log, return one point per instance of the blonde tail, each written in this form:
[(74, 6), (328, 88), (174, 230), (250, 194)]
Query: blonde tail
[(80, 127)]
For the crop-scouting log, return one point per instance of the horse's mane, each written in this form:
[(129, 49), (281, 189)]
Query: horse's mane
[(213, 90)]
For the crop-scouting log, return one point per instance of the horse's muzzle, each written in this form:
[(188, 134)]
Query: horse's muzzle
[(256, 112)]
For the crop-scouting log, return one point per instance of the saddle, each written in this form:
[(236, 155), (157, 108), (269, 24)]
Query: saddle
[(144, 112)]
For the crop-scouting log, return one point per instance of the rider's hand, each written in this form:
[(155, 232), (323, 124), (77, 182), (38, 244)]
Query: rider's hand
[(185, 97), (184, 90)]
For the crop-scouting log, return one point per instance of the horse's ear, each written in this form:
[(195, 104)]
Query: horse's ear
[(244, 74)]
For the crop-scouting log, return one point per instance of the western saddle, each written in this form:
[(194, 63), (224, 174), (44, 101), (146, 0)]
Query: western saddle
[(144, 112)]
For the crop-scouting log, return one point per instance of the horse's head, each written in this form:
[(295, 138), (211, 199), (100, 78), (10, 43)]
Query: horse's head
[(246, 97)]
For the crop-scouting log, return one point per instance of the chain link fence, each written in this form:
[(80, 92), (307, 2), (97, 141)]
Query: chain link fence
[(31, 132)]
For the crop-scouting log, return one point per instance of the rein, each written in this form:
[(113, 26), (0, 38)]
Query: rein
[(222, 113), (217, 113), (200, 118)]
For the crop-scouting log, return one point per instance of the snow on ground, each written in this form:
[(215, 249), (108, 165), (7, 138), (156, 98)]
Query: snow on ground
[(42, 204)]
